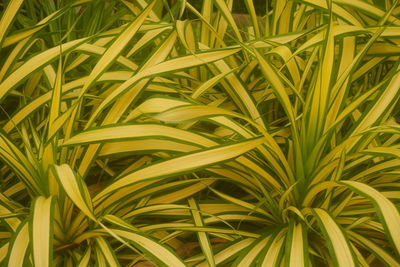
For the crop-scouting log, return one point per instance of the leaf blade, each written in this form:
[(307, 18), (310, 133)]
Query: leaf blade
[(338, 244), (75, 189), (387, 211), (41, 226)]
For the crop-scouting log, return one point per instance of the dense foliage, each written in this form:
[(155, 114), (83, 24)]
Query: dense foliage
[(200, 133)]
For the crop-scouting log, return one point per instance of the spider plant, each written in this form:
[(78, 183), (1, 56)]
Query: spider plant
[(70, 192), (131, 129), (320, 81)]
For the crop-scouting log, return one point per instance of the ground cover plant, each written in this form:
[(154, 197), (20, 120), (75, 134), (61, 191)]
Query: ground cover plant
[(199, 133)]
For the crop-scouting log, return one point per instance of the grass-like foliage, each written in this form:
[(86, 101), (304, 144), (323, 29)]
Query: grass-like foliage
[(199, 133)]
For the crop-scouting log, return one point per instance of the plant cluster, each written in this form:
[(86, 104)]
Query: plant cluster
[(199, 133)]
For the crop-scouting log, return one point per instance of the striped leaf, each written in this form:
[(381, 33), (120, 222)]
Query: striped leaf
[(273, 250), (115, 49), (338, 243), (34, 64), (84, 261), (192, 161), (135, 131), (296, 249), (387, 211), (8, 17), (18, 246), (151, 248), (204, 239), (41, 231), (172, 65), (75, 188), (107, 252), (230, 251), (250, 255), (380, 253)]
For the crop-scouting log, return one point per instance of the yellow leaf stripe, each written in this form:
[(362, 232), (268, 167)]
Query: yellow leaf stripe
[(295, 246), (338, 244), (172, 65), (8, 17), (19, 246), (115, 49), (192, 161), (387, 211), (205, 243), (151, 248), (35, 63), (41, 227), (125, 132), (75, 188)]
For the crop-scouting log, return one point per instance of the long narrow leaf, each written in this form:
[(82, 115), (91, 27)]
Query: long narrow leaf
[(75, 188), (192, 161), (386, 210), (41, 231), (8, 17), (338, 244), (150, 247)]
